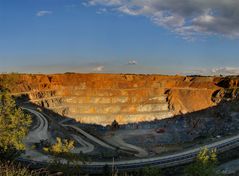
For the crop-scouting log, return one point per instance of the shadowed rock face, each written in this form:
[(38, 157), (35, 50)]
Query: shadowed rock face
[(102, 98)]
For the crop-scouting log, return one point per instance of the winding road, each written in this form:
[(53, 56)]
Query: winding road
[(120, 143), (89, 136), (86, 146), (165, 161), (40, 132), (118, 140)]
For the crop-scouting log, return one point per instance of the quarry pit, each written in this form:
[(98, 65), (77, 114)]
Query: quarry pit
[(124, 116), (102, 98)]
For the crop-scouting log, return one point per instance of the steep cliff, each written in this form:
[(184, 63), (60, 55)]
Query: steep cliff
[(102, 98)]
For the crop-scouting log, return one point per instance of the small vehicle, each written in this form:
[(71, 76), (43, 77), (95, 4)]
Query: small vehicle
[(160, 130)]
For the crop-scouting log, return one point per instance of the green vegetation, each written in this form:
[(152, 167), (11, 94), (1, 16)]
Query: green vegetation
[(12, 169), (14, 125), (205, 164), (60, 147)]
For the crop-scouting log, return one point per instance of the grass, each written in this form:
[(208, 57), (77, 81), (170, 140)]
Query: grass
[(13, 169)]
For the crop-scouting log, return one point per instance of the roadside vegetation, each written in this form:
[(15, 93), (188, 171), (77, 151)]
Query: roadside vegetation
[(205, 164), (13, 169), (60, 147), (61, 151)]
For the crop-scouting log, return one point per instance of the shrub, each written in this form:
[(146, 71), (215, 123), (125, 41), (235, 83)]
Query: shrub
[(205, 164), (60, 147), (12, 169)]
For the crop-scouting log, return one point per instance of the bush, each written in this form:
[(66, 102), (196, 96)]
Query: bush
[(60, 147), (12, 169), (205, 164)]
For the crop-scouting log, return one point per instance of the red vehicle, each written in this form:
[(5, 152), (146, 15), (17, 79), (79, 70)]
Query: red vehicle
[(160, 130)]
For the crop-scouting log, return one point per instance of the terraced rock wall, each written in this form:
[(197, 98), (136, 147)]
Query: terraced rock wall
[(102, 98)]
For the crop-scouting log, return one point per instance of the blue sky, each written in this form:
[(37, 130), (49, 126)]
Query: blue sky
[(111, 36)]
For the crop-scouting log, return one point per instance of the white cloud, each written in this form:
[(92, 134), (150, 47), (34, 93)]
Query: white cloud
[(169, 20), (127, 10), (102, 11), (132, 62), (185, 17), (43, 13), (98, 68), (225, 71), (105, 2)]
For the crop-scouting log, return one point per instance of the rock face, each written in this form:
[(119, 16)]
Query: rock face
[(103, 98)]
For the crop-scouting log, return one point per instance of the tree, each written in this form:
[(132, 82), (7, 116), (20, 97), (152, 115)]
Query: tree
[(115, 125), (60, 147), (205, 164), (14, 125)]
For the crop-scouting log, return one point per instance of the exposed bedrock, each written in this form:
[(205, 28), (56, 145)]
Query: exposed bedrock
[(102, 98)]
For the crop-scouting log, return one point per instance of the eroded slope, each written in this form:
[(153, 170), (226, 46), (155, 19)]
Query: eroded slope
[(102, 98)]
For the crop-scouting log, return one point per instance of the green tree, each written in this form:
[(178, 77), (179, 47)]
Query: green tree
[(60, 147), (14, 125), (205, 164)]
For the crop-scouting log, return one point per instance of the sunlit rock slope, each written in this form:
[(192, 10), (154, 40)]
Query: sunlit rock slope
[(102, 98)]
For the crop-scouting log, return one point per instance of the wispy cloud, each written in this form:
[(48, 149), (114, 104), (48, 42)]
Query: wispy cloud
[(43, 13), (102, 11), (132, 62), (216, 71), (225, 71), (98, 68), (187, 18), (105, 2)]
